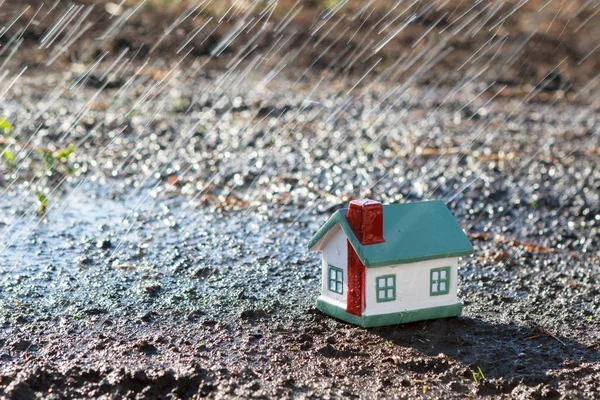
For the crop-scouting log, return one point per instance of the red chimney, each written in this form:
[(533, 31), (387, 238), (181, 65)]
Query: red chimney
[(365, 217)]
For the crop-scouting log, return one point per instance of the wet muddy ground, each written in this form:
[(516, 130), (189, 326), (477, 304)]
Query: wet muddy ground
[(181, 269), (155, 209)]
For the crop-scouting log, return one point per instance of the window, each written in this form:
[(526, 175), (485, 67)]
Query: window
[(386, 288), (440, 281), (336, 280)]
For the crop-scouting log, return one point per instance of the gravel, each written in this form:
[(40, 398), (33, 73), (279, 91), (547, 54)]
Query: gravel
[(156, 200), (171, 258)]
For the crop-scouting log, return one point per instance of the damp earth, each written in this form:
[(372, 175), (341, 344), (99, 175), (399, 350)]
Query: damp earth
[(154, 222), (180, 288)]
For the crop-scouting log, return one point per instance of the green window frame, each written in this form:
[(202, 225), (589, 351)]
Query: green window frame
[(386, 288), (335, 282), (439, 282)]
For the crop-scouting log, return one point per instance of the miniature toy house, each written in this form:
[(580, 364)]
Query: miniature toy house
[(390, 264)]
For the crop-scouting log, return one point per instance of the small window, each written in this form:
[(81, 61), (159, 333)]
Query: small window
[(386, 288), (440, 281), (336, 280)]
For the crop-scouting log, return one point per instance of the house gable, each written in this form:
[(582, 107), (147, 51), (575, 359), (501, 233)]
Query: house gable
[(335, 258)]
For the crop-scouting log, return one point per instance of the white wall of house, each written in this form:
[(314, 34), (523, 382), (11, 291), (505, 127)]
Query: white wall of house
[(412, 286), (335, 253)]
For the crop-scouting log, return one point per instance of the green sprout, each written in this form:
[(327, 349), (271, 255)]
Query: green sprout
[(43, 203), (9, 157), (533, 203), (63, 154), (5, 126), (47, 158), (478, 375), (57, 161)]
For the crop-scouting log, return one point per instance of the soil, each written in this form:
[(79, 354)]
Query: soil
[(166, 255)]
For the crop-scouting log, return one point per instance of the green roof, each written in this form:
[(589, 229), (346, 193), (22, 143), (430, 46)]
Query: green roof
[(413, 232)]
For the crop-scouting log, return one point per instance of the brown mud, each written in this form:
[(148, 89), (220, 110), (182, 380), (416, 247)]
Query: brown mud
[(169, 257)]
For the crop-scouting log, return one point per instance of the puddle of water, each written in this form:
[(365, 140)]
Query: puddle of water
[(99, 247), (72, 220)]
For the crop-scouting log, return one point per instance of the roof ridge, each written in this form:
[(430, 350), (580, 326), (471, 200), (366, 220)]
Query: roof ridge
[(435, 234)]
